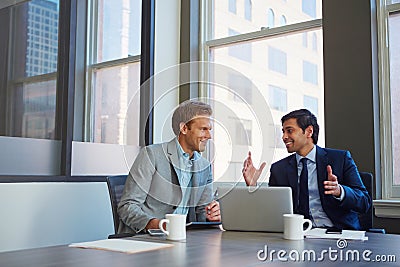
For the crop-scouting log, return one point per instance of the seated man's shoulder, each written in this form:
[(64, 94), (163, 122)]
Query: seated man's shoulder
[(333, 151), (151, 151), (283, 161)]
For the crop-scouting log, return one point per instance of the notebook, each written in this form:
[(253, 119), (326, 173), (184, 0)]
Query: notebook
[(254, 208)]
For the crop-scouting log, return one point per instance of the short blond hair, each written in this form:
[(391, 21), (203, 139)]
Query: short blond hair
[(188, 110)]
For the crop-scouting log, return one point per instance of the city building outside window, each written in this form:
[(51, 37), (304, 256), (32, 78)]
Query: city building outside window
[(114, 72), (276, 59)]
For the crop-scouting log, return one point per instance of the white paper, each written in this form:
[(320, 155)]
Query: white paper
[(121, 245), (346, 234)]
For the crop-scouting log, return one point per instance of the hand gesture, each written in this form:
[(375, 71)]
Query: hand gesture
[(251, 173), (212, 212), (331, 186)]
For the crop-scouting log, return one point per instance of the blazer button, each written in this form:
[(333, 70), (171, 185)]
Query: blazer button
[(174, 207)]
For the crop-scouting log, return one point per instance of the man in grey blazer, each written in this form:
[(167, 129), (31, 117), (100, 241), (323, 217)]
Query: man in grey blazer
[(172, 177)]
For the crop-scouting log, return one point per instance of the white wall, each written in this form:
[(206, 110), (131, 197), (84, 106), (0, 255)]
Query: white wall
[(26, 156), (102, 159), (45, 214)]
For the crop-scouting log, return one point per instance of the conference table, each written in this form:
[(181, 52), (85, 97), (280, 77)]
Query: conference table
[(213, 247)]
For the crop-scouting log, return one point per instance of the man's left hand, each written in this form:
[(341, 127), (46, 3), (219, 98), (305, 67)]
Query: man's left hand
[(332, 186), (212, 212)]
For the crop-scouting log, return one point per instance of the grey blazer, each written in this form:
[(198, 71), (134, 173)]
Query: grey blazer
[(152, 188)]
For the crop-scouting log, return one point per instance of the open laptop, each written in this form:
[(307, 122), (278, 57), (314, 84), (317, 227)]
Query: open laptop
[(254, 209)]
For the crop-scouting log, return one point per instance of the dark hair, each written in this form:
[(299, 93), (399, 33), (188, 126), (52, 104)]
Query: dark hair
[(304, 119), (186, 111)]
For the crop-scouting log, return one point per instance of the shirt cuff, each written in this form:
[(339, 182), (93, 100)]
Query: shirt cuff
[(341, 197)]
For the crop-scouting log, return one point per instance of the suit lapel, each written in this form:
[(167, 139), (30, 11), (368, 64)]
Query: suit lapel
[(322, 161), (172, 154)]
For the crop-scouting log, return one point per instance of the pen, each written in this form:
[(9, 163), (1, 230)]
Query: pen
[(215, 196)]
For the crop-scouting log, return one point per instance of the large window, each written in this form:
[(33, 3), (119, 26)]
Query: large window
[(235, 14), (53, 113), (389, 37), (29, 47), (113, 72), (274, 74)]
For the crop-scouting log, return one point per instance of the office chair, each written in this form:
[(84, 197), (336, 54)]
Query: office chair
[(115, 188), (366, 220)]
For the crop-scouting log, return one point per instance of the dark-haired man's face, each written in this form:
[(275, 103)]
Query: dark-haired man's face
[(295, 139)]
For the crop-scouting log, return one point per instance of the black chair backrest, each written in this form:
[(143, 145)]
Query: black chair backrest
[(366, 220), (115, 188)]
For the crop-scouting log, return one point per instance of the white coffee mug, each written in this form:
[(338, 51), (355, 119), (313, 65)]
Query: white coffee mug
[(294, 226), (175, 226)]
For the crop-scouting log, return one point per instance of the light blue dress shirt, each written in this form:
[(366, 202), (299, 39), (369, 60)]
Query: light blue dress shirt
[(318, 215), (184, 173)]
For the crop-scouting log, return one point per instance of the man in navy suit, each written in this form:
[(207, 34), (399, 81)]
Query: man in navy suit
[(331, 182)]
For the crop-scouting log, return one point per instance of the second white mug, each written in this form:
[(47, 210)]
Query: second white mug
[(175, 226), (293, 226)]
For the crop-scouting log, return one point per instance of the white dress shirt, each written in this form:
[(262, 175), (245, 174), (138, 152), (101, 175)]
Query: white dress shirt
[(185, 173), (318, 215)]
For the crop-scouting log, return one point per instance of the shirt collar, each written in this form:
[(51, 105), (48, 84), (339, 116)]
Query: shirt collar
[(310, 156), (181, 153)]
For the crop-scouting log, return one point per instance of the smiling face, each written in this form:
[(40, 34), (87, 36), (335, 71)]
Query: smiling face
[(195, 134), (295, 139)]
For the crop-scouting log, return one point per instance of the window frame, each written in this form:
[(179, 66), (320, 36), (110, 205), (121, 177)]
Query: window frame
[(389, 191), (93, 66), (207, 43), (70, 82)]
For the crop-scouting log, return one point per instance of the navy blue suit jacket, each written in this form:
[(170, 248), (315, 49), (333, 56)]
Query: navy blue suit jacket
[(343, 214)]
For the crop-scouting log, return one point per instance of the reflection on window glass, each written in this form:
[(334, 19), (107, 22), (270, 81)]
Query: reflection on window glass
[(114, 118), (41, 25), (118, 33), (116, 105), (311, 103), (247, 9), (278, 137), (242, 132), (394, 57), (29, 47), (230, 14), (241, 86), (283, 20), (309, 7), (305, 39), (287, 92), (314, 42), (242, 51), (277, 98), (232, 6), (277, 60), (310, 72), (34, 109), (271, 18)]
